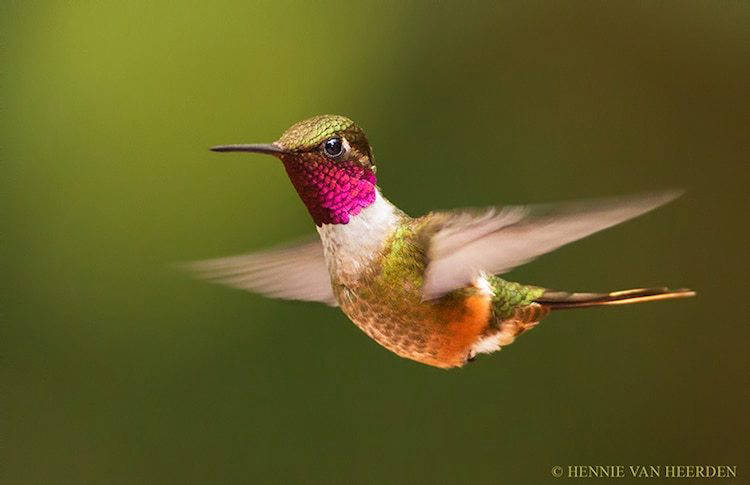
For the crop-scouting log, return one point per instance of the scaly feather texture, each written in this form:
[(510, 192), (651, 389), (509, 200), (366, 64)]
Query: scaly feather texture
[(332, 192)]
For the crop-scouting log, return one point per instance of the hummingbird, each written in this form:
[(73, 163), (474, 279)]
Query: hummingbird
[(426, 288)]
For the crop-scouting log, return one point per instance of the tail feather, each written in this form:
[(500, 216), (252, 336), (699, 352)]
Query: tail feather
[(557, 300)]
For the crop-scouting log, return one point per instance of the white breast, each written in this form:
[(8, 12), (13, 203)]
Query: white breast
[(350, 247)]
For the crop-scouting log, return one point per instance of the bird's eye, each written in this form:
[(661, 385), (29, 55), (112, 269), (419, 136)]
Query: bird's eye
[(333, 147)]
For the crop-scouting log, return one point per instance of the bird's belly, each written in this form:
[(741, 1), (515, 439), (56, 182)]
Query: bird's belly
[(440, 333)]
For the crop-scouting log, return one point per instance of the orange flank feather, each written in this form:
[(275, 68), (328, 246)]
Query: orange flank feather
[(452, 342)]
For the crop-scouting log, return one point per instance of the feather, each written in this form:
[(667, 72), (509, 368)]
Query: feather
[(462, 245), (556, 300), (292, 272)]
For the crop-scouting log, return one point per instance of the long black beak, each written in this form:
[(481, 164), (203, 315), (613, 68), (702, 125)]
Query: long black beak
[(255, 148)]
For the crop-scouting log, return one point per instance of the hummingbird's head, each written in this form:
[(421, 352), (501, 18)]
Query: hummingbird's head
[(329, 162)]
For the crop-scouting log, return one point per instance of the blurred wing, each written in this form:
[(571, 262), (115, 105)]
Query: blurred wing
[(294, 272), (463, 244)]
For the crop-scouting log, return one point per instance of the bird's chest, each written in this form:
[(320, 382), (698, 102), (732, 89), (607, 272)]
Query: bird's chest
[(379, 287)]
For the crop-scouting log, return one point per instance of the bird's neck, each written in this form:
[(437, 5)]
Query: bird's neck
[(333, 192), (350, 248)]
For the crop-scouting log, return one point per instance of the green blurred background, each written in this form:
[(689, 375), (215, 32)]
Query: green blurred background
[(117, 369)]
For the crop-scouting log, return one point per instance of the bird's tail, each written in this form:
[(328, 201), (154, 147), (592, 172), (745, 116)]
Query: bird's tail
[(557, 300)]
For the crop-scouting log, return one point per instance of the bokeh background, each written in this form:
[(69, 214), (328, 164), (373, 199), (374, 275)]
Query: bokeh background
[(117, 369)]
